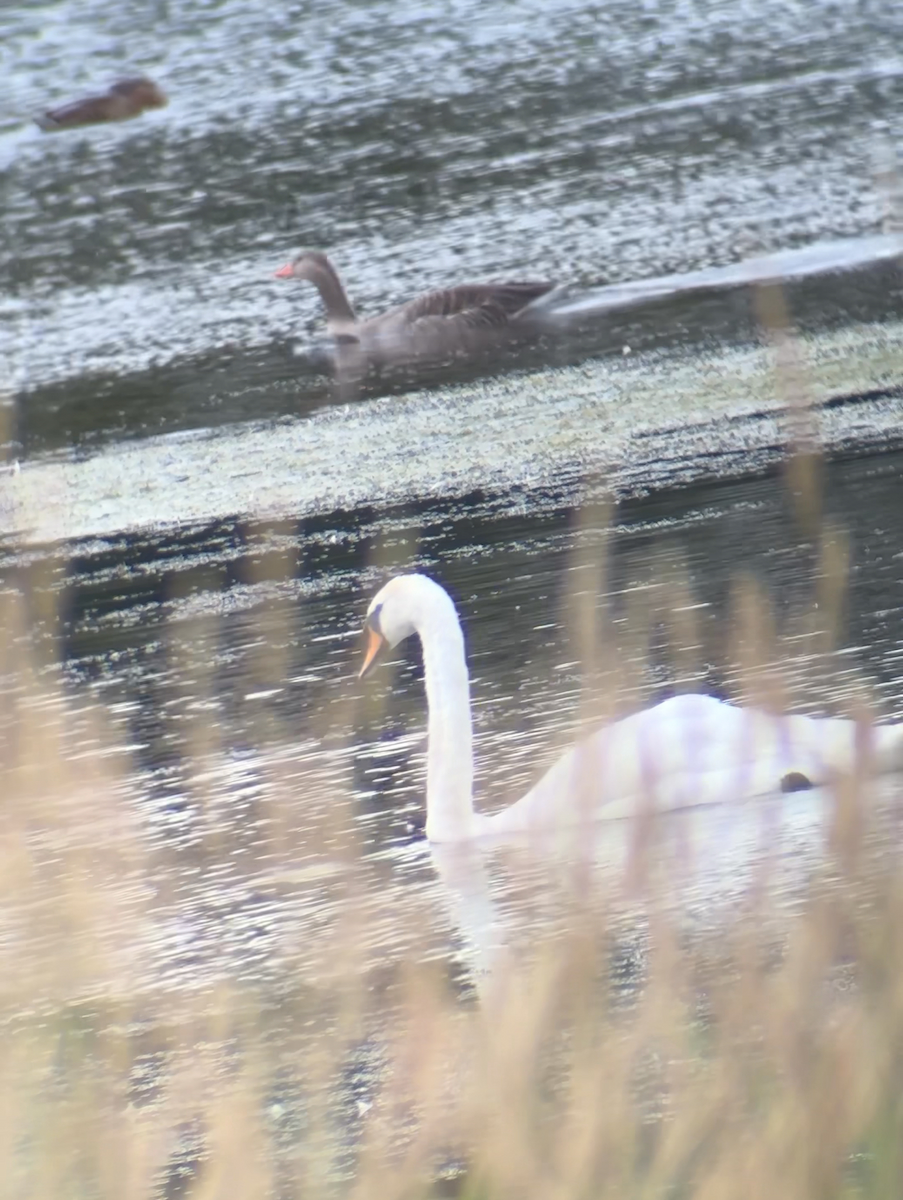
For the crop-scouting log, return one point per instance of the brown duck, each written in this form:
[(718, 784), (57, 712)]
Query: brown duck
[(444, 324), (125, 99)]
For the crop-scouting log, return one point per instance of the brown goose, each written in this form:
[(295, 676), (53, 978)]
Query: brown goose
[(447, 323), (125, 99)]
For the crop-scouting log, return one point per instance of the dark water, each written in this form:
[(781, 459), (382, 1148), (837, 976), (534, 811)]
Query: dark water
[(210, 585), (227, 655), (420, 145)]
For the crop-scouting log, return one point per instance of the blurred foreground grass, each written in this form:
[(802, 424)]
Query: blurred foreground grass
[(762, 1060), (629, 1054)]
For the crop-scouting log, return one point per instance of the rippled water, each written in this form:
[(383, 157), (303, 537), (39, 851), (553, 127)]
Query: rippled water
[(628, 426), (227, 655), (418, 145), (656, 157)]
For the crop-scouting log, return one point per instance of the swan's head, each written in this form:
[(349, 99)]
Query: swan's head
[(310, 265), (404, 606)]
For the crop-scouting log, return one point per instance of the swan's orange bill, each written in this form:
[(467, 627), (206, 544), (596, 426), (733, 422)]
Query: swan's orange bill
[(283, 272), (375, 643)]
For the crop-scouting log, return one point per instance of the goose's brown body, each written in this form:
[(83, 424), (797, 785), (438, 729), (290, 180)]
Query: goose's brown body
[(442, 324)]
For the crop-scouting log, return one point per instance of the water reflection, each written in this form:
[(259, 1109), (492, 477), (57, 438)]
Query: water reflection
[(504, 899), (631, 426), (591, 147), (280, 796)]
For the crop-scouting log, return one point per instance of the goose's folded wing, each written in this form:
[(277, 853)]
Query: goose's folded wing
[(473, 306)]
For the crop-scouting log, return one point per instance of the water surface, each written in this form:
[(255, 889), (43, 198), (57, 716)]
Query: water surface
[(226, 654), (207, 516), (419, 145)]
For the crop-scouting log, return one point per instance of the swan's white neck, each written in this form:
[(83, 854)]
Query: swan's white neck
[(449, 772), (672, 754)]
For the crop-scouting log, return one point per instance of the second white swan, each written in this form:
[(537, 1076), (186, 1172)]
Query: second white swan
[(689, 750)]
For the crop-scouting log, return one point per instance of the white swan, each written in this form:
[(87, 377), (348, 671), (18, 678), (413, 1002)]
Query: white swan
[(689, 750)]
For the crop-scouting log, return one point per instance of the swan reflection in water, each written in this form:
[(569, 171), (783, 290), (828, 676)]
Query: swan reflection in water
[(508, 893), (666, 764)]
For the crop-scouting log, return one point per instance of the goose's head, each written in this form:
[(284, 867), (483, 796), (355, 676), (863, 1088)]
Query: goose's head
[(405, 605), (310, 265)]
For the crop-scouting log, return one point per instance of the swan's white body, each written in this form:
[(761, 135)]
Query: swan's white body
[(688, 750)]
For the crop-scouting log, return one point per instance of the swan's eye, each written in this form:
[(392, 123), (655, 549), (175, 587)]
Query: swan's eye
[(372, 621)]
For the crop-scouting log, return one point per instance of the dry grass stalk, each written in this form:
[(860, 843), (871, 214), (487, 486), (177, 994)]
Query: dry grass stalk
[(752, 1052)]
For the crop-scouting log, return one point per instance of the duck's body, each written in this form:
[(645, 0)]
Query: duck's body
[(125, 99), (444, 324), (688, 750)]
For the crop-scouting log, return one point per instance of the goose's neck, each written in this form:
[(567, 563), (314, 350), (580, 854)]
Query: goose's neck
[(339, 313), (449, 772)]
